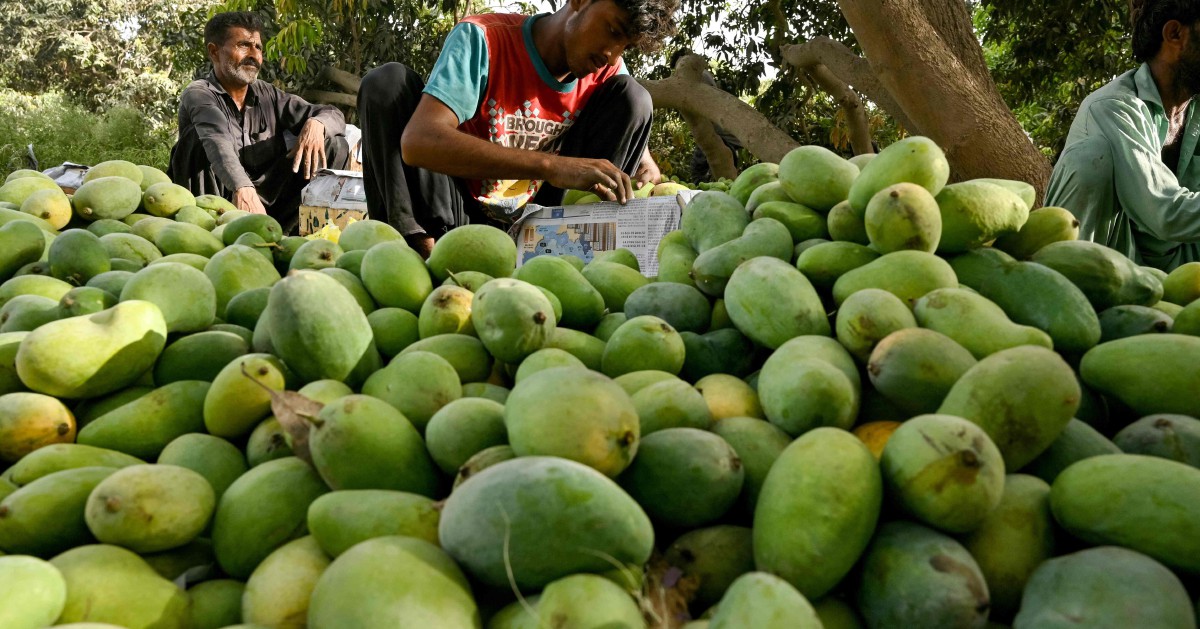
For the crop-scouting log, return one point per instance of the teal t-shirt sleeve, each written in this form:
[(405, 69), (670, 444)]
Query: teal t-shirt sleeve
[(460, 75)]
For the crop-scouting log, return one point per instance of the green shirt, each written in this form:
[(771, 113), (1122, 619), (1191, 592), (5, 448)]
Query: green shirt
[(1111, 174)]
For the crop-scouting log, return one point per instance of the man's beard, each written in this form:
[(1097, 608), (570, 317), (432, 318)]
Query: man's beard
[(244, 73)]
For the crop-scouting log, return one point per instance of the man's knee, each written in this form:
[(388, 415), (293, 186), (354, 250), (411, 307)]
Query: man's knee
[(384, 83), (628, 90)]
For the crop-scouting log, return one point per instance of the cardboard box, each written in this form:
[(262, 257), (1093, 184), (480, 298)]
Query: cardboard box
[(333, 196)]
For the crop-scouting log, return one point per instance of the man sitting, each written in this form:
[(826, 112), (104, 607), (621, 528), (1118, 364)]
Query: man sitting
[(234, 129), (516, 109)]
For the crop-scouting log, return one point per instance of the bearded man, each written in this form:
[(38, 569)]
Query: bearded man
[(1129, 170), (245, 139)]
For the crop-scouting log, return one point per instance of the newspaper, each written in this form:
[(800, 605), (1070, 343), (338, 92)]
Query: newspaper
[(584, 230)]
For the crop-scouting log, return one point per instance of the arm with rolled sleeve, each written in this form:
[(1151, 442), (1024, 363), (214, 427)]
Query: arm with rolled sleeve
[(212, 128), (1147, 188), (293, 112)]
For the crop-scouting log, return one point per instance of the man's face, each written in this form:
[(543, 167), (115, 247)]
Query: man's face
[(597, 34), (238, 60)]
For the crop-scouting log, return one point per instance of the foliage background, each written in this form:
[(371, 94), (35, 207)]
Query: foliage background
[(87, 80)]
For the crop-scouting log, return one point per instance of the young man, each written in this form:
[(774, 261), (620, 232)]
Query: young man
[(233, 128), (1129, 169), (516, 109)]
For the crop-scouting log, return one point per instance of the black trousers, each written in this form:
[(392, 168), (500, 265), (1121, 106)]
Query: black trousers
[(614, 125)]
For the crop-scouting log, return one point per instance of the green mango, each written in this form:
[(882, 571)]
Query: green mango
[(106, 197), (392, 581), (108, 584), (106, 226), (1106, 277), (770, 191), (836, 613), (1120, 322), (586, 600), (199, 356), (582, 303), (10, 343), (319, 330), (262, 225), (121, 264), (719, 351), (807, 511), (165, 199), (466, 354), (915, 159), (480, 248), (246, 307), (90, 356), (1140, 502), (758, 599), (340, 519), (176, 237), (1012, 541), (763, 238), (77, 256), (42, 285), (587, 348), (150, 508), (115, 168), (264, 508), (482, 460), (713, 218), (902, 217), (800, 392), (1045, 225), (85, 300), (216, 203), (729, 396), (1185, 320), (974, 322), (576, 414), (673, 458), (325, 391), (637, 380), (172, 564), (1021, 426), (1104, 587), (396, 276), (1150, 374), (351, 261), (908, 275), (816, 177), (609, 324), (288, 247), (1175, 437), (1034, 295), (279, 590), (675, 259), (758, 444), (45, 517), (112, 282), (1182, 285), (25, 313), (944, 471), (802, 223), (362, 235), (913, 576), (64, 456), (267, 442), (360, 442), (615, 282), (976, 212), (869, 316), (216, 604), (750, 179), (1077, 442), (535, 519), (238, 398), (824, 262), (447, 310), (916, 368), (473, 280), (149, 227), (143, 427), (255, 242), (644, 342), (25, 172), (543, 359), (34, 594), (216, 460), (794, 310), (485, 390), (394, 329), (354, 286), (185, 296), (512, 319), (713, 556), (196, 216), (21, 243), (50, 205), (671, 403), (417, 384), (88, 410), (315, 255)]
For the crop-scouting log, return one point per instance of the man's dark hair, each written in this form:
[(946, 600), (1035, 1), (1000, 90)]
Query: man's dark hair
[(1147, 17), (217, 29), (651, 22)]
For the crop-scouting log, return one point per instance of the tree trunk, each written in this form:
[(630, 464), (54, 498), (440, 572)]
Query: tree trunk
[(342, 79), (720, 158), (919, 51), (330, 98)]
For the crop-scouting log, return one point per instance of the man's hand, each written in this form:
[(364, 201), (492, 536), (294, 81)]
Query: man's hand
[(246, 199), (647, 172), (310, 148), (593, 175), (422, 243)]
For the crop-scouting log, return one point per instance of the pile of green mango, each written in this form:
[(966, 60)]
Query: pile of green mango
[(852, 395)]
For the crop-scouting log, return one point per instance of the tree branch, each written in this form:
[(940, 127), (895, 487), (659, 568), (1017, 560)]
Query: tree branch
[(720, 158), (848, 68), (330, 98), (341, 78)]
